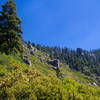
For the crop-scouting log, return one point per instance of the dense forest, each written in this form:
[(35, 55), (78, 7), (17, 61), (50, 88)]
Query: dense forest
[(88, 62), (27, 74)]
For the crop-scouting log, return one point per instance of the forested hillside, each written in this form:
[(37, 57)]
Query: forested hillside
[(87, 62)]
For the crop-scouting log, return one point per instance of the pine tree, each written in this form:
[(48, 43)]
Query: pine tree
[(10, 29), (33, 44), (28, 44)]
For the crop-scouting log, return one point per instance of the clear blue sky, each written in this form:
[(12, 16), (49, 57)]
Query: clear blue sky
[(65, 23)]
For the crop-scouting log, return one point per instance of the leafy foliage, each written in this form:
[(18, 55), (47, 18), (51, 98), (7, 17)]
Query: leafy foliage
[(19, 82)]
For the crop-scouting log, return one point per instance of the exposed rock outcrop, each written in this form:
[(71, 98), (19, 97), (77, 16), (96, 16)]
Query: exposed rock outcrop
[(30, 46), (24, 45), (94, 84), (33, 51), (27, 61), (41, 60), (55, 63), (25, 56)]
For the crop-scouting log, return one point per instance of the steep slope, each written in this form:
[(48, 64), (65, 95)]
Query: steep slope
[(40, 60), (86, 62), (18, 81)]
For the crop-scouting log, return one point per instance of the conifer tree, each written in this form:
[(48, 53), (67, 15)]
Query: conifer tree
[(10, 29), (28, 44), (33, 44)]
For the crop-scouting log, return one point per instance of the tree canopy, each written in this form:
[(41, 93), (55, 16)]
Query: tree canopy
[(10, 29)]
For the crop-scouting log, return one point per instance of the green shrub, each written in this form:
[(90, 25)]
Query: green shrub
[(20, 82)]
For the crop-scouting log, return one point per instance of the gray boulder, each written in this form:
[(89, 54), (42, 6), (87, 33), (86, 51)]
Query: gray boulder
[(30, 46), (24, 45), (32, 53), (42, 60), (55, 68), (25, 57), (47, 55), (27, 53), (94, 84), (55, 63), (34, 50), (98, 79), (27, 61)]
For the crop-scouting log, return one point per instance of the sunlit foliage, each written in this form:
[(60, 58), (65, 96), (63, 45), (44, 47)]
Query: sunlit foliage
[(19, 82)]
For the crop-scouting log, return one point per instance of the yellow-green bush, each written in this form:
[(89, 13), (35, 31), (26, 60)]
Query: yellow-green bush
[(19, 82)]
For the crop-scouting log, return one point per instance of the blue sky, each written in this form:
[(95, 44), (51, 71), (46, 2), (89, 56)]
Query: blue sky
[(64, 23)]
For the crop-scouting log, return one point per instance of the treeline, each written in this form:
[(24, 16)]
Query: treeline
[(88, 62)]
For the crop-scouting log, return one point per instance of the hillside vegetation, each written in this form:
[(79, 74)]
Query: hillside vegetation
[(35, 72), (18, 81), (86, 62)]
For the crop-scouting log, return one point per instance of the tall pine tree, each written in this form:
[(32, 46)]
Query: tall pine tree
[(10, 29)]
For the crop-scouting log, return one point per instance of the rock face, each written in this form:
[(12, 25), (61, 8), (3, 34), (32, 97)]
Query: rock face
[(25, 57), (24, 45), (30, 46), (94, 84), (47, 55), (33, 51), (98, 79), (27, 61), (41, 60), (55, 63)]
